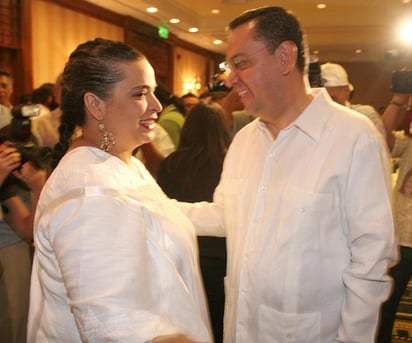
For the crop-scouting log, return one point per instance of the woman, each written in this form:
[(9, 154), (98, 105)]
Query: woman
[(191, 174), (115, 260)]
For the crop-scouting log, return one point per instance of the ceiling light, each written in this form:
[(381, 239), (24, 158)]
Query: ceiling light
[(406, 1), (215, 11), (217, 42), (193, 29), (358, 51), (321, 6), (174, 20), (406, 32), (151, 9)]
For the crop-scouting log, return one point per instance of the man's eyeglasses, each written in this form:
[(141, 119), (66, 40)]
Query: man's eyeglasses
[(240, 62)]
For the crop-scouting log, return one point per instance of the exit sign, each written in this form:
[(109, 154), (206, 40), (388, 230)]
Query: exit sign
[(163, 32)]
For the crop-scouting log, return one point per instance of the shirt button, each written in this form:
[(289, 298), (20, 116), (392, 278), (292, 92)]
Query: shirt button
[(264, 188), (244, 290)]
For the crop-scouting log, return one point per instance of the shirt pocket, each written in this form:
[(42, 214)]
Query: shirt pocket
[(275, 326), (306, 215)]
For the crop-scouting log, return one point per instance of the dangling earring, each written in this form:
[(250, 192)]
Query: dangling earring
[(106, 140)]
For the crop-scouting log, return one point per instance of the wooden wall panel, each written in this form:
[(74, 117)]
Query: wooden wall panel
[(157, 52), (56, 32), (9, 23)]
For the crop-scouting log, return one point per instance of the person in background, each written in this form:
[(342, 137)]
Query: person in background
[(6, 90), (172, 117), (191, 174), (189, 100), (45, 97), (398, 114), (235, 116), (16, 232), (153, 153), (16, 227), (304, 199), (115, 260), (45, 128), (167, 132), (335, 80)]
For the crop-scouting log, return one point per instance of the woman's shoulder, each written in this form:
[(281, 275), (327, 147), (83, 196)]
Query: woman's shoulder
[(85, 166)]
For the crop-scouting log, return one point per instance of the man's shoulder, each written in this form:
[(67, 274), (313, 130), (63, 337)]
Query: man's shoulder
[(365, 109)]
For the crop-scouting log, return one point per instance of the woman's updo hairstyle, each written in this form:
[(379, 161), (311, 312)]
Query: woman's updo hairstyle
[(92, 67)]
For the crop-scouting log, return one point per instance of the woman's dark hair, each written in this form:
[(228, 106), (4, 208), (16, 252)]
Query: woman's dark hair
[(92, 67), (275, 25), (203, 144)]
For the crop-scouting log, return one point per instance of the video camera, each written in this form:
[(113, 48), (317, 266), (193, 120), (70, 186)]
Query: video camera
[(314, 72), (402, 81), (19, 135)]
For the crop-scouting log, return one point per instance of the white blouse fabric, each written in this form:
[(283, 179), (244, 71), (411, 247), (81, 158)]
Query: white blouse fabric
[(115, 259), (309, 228)]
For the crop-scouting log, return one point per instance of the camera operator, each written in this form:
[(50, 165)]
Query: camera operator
[(396, 119), (15, 212), (16, 232)]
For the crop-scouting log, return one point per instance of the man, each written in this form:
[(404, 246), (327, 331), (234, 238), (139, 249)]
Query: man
[(400, 144), (335, 80), (304, 200), (6, 90)]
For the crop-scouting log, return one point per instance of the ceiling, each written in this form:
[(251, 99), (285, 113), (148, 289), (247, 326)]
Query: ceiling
[(334, 32)]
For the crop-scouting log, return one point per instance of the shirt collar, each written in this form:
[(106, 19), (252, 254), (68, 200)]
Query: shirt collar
[(312, 120)]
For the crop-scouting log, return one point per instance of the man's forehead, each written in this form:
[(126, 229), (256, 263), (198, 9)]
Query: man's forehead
[(4, 80)]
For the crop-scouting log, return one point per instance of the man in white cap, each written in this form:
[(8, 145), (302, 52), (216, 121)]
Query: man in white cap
[(335, 80)]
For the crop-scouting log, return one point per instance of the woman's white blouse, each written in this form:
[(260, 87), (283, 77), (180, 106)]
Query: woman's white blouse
[(115, 260)]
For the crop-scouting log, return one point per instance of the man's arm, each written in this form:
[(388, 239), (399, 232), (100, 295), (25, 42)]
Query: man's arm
[(393, 115), (18, 216)]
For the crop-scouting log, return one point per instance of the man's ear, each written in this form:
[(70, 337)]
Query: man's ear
[(94, 105), (287, 52)]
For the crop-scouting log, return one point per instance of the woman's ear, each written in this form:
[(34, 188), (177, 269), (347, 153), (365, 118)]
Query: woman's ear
[(94, 105), (287, 52)]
